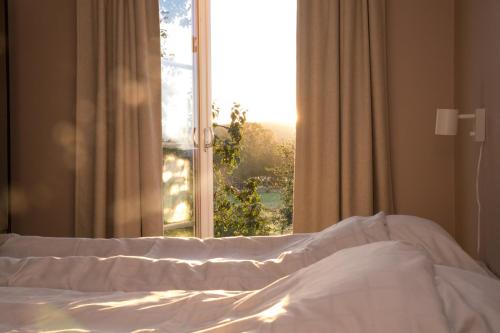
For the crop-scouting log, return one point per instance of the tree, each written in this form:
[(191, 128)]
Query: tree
[(283, 178), (259, 153), (170, 11), (237, 210)]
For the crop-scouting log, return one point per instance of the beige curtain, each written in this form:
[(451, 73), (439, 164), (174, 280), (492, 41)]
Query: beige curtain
[(118, 119), (342, 154)]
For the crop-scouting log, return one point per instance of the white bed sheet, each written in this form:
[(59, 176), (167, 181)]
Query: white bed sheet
[(355, 230), (471, 301), (348, 278), (423, 233), (211, 264), (379, 288)]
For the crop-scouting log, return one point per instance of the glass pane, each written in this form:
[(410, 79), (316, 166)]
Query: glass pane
[(179, 118), (253, 55)]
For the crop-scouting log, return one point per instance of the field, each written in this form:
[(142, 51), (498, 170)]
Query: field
[(271, 200)]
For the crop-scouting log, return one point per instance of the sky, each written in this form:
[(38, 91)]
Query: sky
[(253, 58), (253, 63)]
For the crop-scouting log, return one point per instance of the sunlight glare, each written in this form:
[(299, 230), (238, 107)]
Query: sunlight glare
[(274, 311), (167, 175), (174, 189), (150, 298), (254, 58), (181, 212)]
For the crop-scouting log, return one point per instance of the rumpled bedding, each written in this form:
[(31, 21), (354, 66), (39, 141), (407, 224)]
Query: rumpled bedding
[(364, 274), (189, 264)]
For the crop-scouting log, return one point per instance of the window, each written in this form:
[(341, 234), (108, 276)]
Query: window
[(179, 116), (228, 99)]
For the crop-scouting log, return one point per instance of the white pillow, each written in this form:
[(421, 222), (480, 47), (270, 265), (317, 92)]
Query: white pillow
[(433, 239)]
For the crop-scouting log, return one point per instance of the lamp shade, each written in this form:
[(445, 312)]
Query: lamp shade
[(446, 121)]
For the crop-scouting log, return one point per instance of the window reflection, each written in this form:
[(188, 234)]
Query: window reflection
[(178, 116)]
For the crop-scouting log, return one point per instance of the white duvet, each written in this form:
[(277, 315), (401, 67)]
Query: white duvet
[(348, 278)]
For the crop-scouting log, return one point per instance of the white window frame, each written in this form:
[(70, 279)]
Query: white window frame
[(204, 222)]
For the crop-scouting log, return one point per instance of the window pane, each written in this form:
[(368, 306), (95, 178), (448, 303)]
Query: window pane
[(179, 118), (253, 72)]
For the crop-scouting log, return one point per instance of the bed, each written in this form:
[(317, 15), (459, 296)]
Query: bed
[(365, 274)]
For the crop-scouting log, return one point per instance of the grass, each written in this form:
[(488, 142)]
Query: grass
[(271, 200)]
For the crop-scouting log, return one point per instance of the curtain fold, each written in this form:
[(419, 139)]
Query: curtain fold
[(118, 119), (342, 165)]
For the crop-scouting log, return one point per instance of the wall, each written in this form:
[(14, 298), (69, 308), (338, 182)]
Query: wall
[(3, 126), (421, 79), (42, 72), (420, 54), (478, 85)]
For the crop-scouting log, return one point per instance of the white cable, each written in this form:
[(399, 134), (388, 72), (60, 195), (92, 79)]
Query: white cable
[(478, 199)]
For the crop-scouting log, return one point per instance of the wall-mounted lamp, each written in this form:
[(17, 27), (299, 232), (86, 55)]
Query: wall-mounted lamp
[(447, 122)]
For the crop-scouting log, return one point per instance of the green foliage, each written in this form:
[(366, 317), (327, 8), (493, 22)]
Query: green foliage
[(237, 211), (227, 147), (283, 178), (248, 159)]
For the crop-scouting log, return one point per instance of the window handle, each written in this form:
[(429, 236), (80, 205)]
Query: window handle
[(196, 142), (209, 137)]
